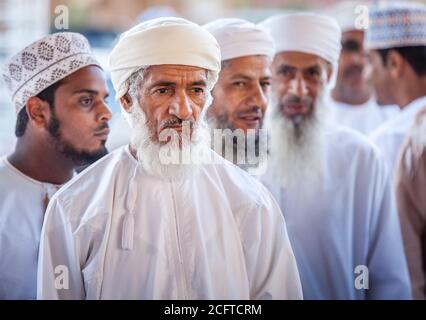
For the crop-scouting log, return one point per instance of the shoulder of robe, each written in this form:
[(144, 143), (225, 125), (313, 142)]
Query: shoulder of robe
[(93, 183), (240, 187)]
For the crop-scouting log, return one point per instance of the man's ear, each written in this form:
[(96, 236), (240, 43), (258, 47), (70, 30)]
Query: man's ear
[(38, 112), (126, 102), (396, 64), (329, 71)]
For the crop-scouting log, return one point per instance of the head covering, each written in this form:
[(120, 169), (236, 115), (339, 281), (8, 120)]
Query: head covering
[(347, 15), (239, 38), (396, 24), (163, 41), (44, 63), (306, 32)]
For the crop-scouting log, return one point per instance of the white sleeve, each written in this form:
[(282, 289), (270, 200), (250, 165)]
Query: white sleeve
[(271, 265), (59, 274)]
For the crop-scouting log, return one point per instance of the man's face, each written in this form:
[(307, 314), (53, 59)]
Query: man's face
[(297, 80), (170, 95), (78, 122), (242, 93), (381, 80), (354, 74)]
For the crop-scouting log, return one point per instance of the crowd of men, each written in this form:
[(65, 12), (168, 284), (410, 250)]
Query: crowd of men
[(278, 160)]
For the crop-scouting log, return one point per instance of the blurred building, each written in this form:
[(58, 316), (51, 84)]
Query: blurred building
[(21, 22)]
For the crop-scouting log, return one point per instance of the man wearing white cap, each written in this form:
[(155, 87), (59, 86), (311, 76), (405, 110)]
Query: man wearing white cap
[(396, 38), (330, 181), (58, 90), (148, 225), (353, 103), (241, 95)]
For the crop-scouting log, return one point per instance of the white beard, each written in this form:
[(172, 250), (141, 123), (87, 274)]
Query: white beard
[(168, 160), (297, 152)]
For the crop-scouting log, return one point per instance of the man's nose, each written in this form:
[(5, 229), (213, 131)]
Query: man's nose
[(181, 107), (298, 86)]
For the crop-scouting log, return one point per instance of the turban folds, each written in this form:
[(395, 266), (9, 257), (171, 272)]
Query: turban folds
[(239, 38), (306, 32), (162, 41)]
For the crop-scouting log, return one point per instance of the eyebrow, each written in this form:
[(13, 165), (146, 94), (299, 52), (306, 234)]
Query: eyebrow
[(173, 84), (94, 92), (286, 66)]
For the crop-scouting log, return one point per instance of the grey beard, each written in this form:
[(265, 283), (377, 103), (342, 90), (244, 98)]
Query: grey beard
[(297, 147)]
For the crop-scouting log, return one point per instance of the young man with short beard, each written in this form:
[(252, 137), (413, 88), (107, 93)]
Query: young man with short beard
[(150, 226), (330, 181), (241, 95), (59, 91)]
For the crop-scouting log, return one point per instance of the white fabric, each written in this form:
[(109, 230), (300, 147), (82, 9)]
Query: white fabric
[(363, 118), (218, 235), (163, 41), (348, 14), (390, 135), (21, 219), (238, 38), (44, 63), (348, 219), (305, 32)]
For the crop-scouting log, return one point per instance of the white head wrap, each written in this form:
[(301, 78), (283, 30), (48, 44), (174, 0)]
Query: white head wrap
[(306, 32), (239, 38), (350, 15), (44, 63), (163, 41)]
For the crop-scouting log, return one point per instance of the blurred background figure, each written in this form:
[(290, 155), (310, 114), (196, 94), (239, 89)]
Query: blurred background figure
[(353, 99)]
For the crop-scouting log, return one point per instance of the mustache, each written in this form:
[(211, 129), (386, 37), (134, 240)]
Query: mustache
[(251, 111), (175, 121), (293, 99), (353, 70), (102, 127)]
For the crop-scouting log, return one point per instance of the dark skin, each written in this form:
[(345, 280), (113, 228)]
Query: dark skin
[(169, 95), (396, 82), (296, 80), (82, 112), (354, 84), (241, 94)]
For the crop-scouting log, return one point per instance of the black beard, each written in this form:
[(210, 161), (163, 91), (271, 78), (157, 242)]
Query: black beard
[(222, 122), (81, 159)]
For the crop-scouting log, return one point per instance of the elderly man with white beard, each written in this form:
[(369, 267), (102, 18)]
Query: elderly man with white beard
[(330, 182), (136, 227)]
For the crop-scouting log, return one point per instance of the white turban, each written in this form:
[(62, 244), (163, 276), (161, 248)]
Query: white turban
[(239, 38), (163, 41), (306, 32), (347, 13)]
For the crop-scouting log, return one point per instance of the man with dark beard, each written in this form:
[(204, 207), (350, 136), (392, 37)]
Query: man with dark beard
[(58, 90), (153, 219), (241, 95), (330, 182)]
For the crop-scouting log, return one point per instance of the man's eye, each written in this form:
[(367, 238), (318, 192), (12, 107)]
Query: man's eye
[(265, 84), (239, 84), (162, 90), (351, 46), (313, 72), (285, 72), (198, 90), (86, 102)]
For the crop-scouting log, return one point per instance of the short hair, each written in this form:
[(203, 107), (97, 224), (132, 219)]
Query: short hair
[(47, 95), (415, 56)]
